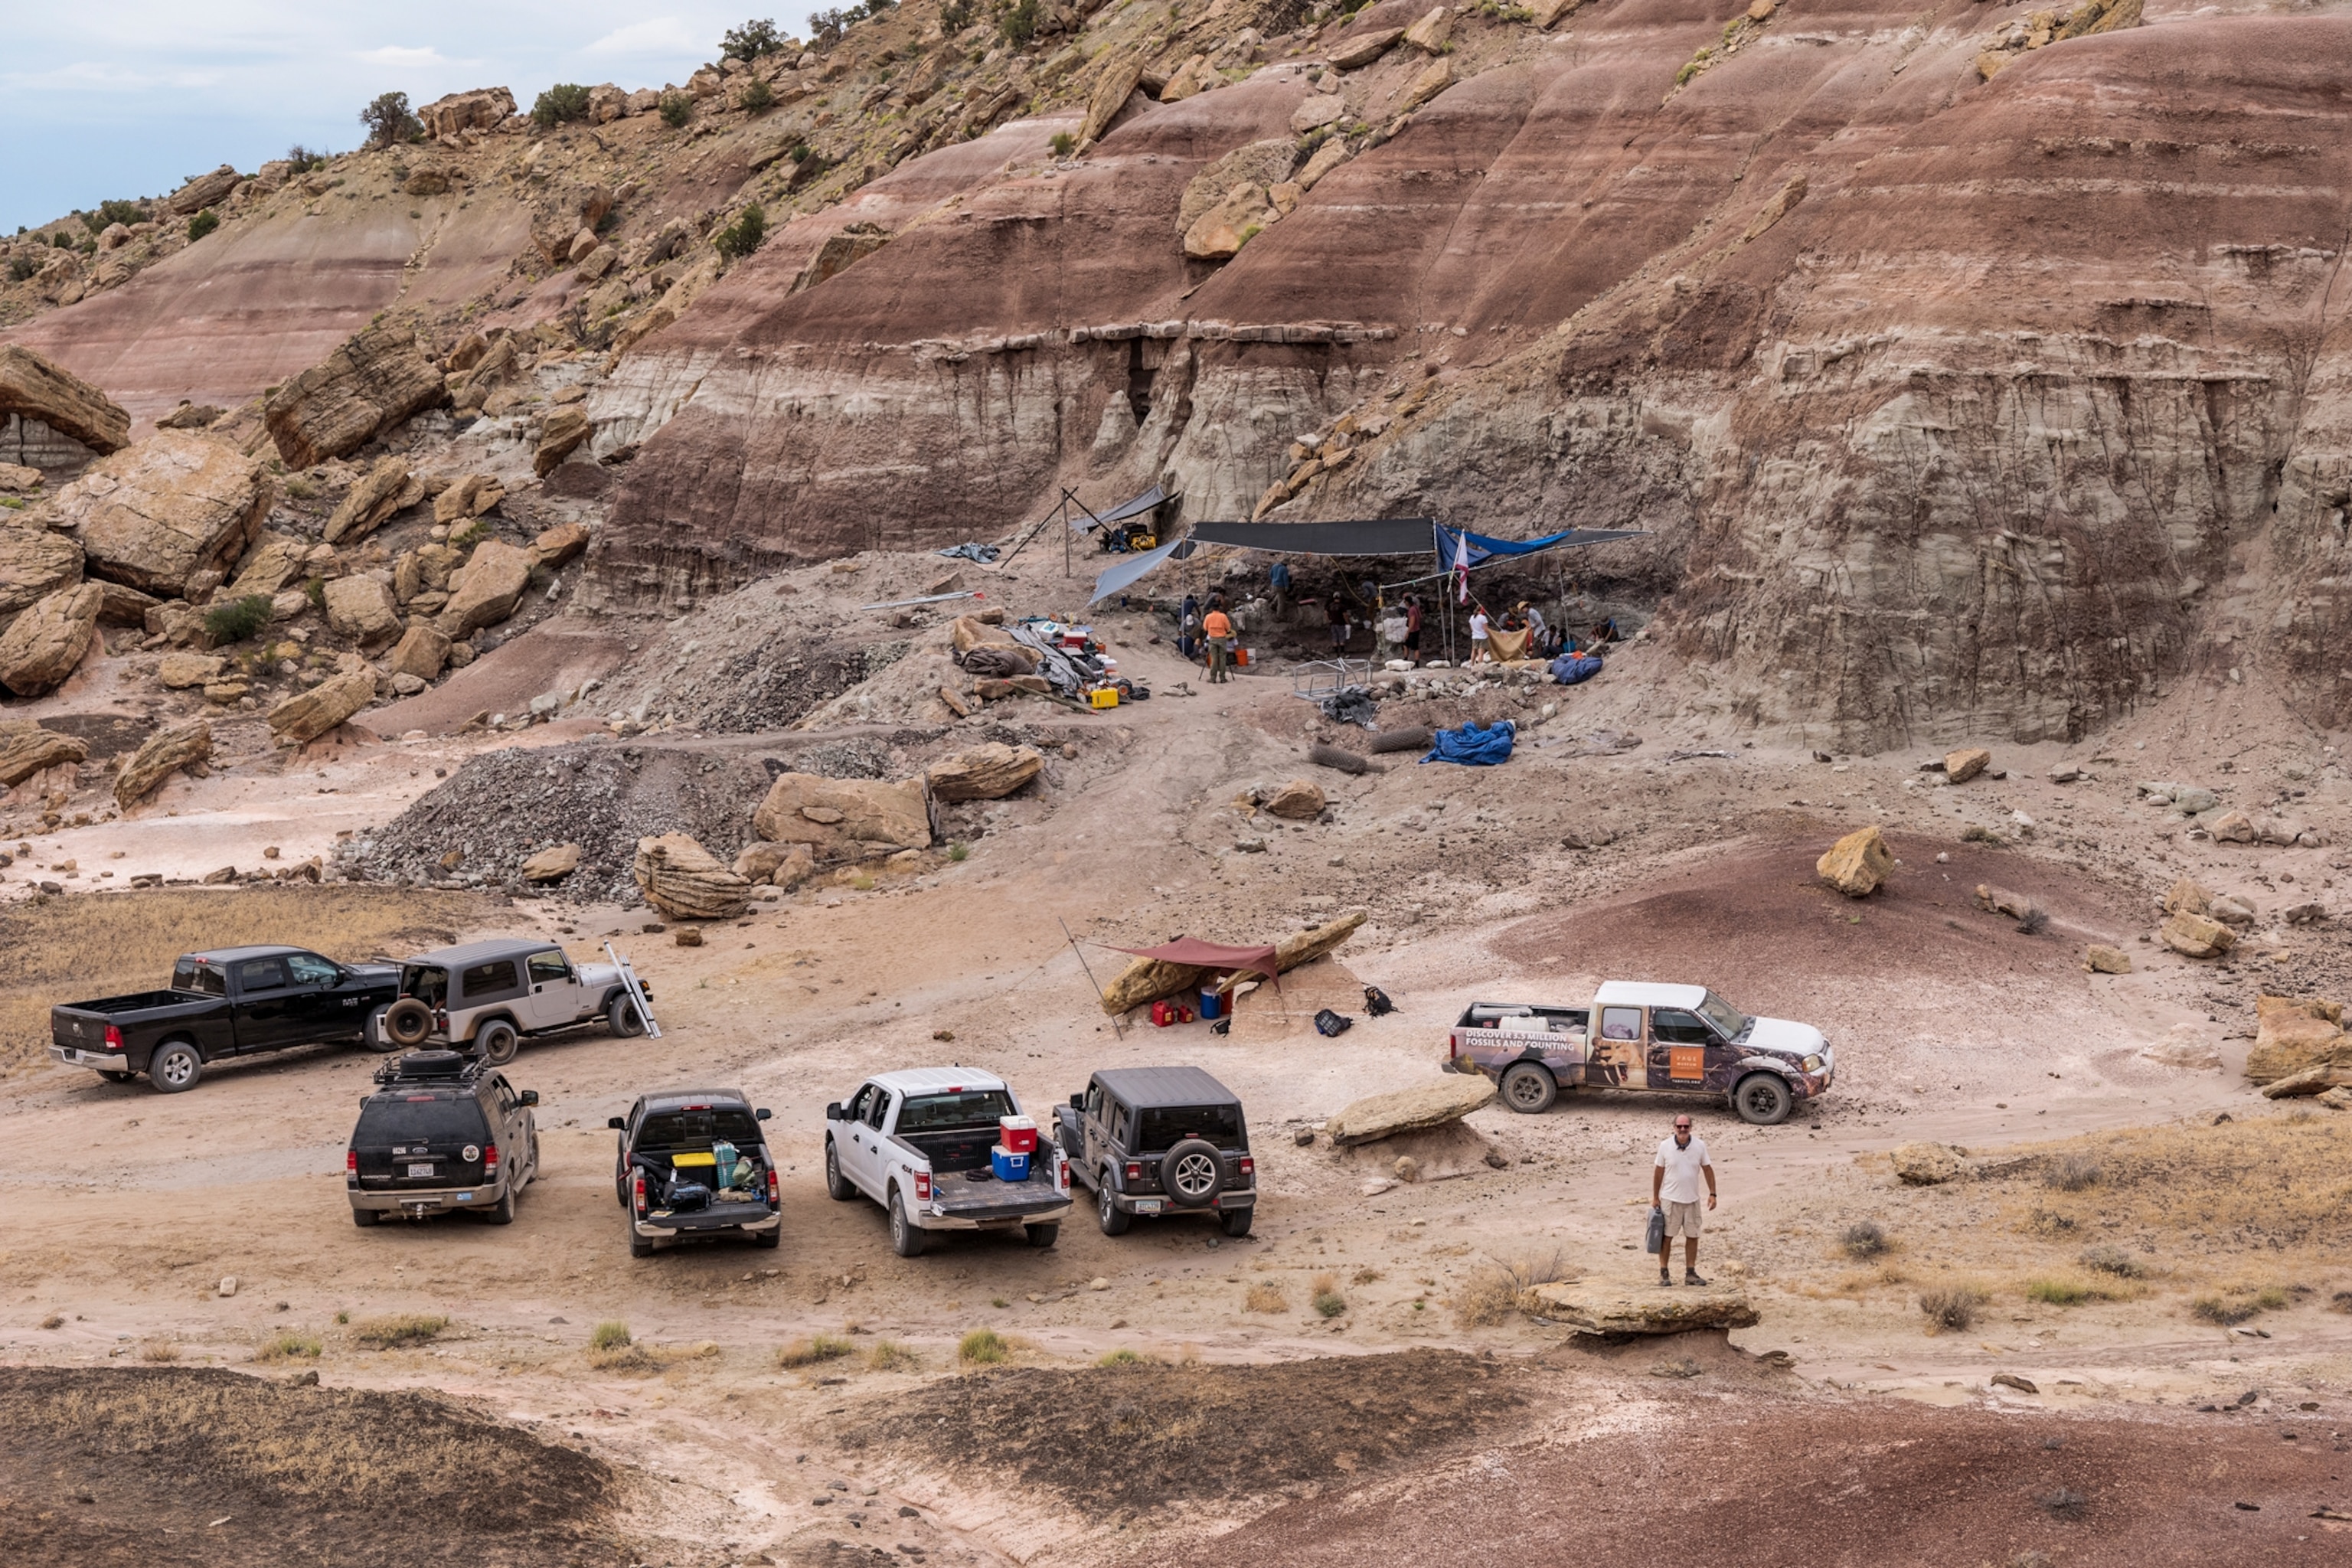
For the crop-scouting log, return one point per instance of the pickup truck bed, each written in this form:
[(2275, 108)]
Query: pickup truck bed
[(743, 1214)]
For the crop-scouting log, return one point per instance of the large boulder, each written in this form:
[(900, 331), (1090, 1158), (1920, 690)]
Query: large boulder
[(305, 717), (1264, 164), (180, 671), (375, 380), (2310, 1082), (2194, 936), (1613, 1307), (558, 439), (486, 590), (1857, 864), (784, 865), (361, 608), (158, 513), (844, 819), (468, 495), (1219, 233), (35, 563), (1432, 32), (559, 545), (384, 489), (1432, 1104), (36, 389), (986, 773), (2292, 1034), (28, 749), (686, 881), (2186, 895), (204, 190), (275, 564), (44, 641), (1926, 1165), (552, 865), (969, 632), (1959, 767), (422, 652), (1300, 800), (165, 753), (483, 109), (1363, 50)]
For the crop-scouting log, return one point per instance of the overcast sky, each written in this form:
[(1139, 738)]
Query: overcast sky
[(128, 98)]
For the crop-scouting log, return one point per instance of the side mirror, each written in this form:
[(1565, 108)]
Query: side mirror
[(1078, 1102), (834, 1113), (762, 1114), (529, 1096), (617, 1123)]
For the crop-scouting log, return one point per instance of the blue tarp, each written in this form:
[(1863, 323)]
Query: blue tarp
[(1482, 546), (1474, 744), (1571, 669)]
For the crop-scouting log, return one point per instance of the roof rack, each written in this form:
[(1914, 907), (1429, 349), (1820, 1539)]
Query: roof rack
[(429, 1066)]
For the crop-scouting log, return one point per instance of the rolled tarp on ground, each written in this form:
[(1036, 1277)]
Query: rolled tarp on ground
[(1149, 978)]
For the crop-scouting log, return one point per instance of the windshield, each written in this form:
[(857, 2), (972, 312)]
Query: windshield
[(1728, 1021), (189, 975), (429, 983), (962, 1111), (418, 1117), (1167, 1127), (699, 1129)]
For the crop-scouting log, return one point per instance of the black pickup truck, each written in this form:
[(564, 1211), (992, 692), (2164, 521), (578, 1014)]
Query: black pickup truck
[(235, 1001), (693, 1165)]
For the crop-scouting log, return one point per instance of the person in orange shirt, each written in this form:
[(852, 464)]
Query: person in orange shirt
[(1218, 628)]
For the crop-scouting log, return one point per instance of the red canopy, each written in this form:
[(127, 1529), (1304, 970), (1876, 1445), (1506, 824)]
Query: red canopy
[(1210, 955)]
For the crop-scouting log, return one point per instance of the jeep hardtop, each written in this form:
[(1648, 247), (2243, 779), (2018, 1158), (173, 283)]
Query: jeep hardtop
[(1160, 1140), (487, 995)]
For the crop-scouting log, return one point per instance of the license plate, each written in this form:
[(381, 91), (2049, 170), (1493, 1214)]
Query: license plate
[(416, 1170), (1147, 1205)]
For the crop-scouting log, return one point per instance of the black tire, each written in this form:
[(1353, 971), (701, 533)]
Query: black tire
[(905, 1237), (111, 1076), (1235, 1222), (1043, 1235), (532, 1175), (1191, 1173), (622, 1018), (372, 1034), (366, 1219), (407, 1022), (1762, 1099), (1113, 1219), (770, 1239), (1529, 1088), (639, 1246), (175, 1068), (496, 1042), (502, 1212), (836, 1185)]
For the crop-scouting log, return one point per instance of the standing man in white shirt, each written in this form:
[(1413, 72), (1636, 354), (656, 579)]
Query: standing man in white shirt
[(1674, 1185)]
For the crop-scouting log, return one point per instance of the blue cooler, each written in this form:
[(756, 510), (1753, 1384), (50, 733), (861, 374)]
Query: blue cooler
[(1008, 1166), (1212, 1004)]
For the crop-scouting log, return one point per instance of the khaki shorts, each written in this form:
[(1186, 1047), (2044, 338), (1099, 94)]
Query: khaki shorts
[(1682, 1219)]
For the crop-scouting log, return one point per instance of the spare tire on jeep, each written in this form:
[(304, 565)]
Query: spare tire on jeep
[(407, 1022), (1191, 1173)]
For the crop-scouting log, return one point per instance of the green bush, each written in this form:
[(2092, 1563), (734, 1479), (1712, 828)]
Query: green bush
[(560, 105), (1019, 25), (113, 212), (983, 1347), (61, 240), (609, 1337), (238, 619), (287, 1344), (1064, 143), (388, 120), (750, 41), (756, 95), (742, 237), (810, 1352), (203, 224), (955, 17), (305, 159), (1329, 1304), (1120, 1358), (20, 267), (676, 109)]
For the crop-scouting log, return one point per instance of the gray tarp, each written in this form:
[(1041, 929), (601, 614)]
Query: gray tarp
[(1148, 501), (1134, 566)]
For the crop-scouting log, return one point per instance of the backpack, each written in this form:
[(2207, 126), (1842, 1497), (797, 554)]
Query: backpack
[(1330, 1024), (1377, 1003)]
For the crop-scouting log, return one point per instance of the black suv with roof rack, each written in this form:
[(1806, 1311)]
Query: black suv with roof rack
[(442, 1131), (1160, 1140)]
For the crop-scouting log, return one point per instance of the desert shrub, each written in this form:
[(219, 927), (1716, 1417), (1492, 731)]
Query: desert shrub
[(2059, 1293), (2033, 922), (159, 1350), (609, 1337), (238, 619), (1019, 25), (400, 1329), (287, 1344), (61, 240), (20, 267), (982, 1347), (304, 159), (959, 852), (1952, 1307), (108, 213), (388, 120), (560, 105), (1864, 1240), (203, 224), (889, 1355), (2113, 1260), (1265, 1296), (2073, 1174), (54, 1320), (1122, 1358), (676, 109), (742, 237), (1064, 143), (1328, 1302), (757, 97), (955, 17), (299, 488), (1366, 1276), (814, 1350), (2063, 1504), (750, 40)]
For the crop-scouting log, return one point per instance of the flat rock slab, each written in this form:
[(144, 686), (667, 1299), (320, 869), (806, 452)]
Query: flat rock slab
[(1641, 1307), (1432, 1104)]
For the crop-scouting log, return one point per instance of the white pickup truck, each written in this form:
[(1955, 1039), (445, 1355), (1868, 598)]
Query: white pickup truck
[(1670, 1039), (918, 1143)]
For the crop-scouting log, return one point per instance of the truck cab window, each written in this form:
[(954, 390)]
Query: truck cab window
[(261, 975), (548, 966), (1621, 1023), (311, 970), (877, 1110), (204, 978), (1672, 1026)]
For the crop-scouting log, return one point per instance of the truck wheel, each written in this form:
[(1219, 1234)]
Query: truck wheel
[(1529, 1088), (372, 1034), (639, 1246), (495, 1042), (502, 1213), (1043, 1235), (1235, 1222), (174, 1067), (407, 1022), (769, 1238), (906, 1236), (836, 1185), (621, 1017), (1762, 1099), (1115, 1219), (1191, 1173), (366, 1218)]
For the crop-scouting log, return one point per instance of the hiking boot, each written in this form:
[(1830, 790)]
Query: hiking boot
[(1691, 1278), (1666, 1278)]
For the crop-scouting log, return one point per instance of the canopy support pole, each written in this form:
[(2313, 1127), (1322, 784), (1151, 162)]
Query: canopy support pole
[(1118, 1029)]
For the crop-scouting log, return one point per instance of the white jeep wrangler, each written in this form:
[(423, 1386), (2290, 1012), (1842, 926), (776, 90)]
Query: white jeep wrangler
[(486, 995)]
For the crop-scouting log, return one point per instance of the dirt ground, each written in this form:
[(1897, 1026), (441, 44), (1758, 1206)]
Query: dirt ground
[(1584, 857)]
